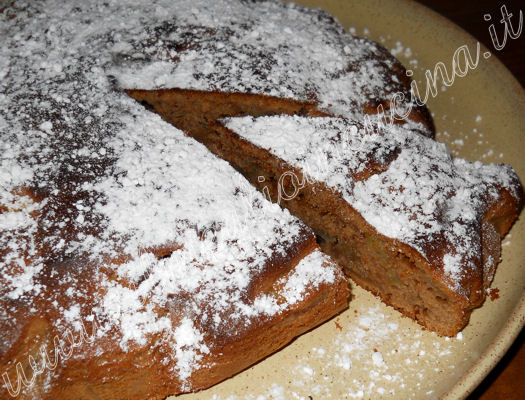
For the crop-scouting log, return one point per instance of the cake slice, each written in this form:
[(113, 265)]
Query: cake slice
[(413, 225)]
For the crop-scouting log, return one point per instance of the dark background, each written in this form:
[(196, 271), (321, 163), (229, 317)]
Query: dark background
[(468, 14), (507, 380)]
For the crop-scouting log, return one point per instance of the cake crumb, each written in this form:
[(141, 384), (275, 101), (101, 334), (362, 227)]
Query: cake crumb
[(493, 293)]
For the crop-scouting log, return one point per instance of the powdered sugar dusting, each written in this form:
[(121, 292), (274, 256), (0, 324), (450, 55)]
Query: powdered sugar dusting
[(258, 49), (21, 262), (419, 194), (106, 210), (367, 353), (387, 355), (189, 343)]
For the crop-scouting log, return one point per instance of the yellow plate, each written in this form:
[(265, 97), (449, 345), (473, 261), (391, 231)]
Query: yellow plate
[(370, 351)]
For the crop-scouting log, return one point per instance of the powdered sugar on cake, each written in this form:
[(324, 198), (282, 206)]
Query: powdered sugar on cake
[(418, 193), (110, 183), (259, 48)]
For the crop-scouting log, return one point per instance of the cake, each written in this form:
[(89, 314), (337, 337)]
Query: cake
[(160, 268), (416, 227)]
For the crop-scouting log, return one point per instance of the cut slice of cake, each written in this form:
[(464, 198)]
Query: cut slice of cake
[(415, 226)]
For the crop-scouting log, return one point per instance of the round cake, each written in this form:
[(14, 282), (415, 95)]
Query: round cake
[(136, 263)]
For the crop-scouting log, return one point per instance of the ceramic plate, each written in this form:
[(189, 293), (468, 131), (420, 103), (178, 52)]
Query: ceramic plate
[(370, 351)]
